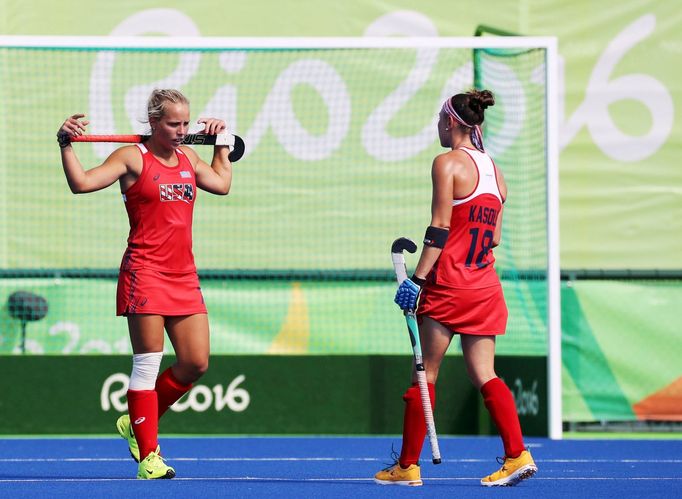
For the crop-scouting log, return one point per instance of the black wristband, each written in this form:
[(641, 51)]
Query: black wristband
[(63, 139), (417, 280)]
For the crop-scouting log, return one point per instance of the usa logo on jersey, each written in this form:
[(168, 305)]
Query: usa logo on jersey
[(176, 192)]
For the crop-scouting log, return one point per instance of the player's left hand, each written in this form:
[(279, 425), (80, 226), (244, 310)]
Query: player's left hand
[(72, 127), (407, 295), (212, 126)]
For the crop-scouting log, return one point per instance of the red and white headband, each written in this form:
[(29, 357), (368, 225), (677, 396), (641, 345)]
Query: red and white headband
[(476, 134)]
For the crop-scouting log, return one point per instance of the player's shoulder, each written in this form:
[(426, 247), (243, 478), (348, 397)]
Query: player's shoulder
[(126, 151), (125, 155), (187, 150), (128, 157), (452, 156), (190, 153), (450, 161)]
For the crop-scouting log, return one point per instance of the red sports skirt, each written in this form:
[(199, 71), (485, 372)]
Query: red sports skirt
[(146, 291), (480, 311)]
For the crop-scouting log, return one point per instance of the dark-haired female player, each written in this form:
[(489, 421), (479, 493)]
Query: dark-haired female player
[(158, 287), (458, 290)]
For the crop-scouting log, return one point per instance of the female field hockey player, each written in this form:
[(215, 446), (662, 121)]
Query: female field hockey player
[(158, 286), (458, 290)]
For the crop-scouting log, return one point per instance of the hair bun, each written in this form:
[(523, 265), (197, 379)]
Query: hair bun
[(482, 99), (471, 105)]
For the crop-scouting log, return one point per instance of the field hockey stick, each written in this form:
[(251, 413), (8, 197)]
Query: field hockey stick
[(397, 248), (234, 142)]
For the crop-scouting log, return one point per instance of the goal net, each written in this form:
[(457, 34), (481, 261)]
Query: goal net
[(340, 136)]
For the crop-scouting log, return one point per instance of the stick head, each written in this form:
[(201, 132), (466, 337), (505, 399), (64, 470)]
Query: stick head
[(238, 149), (403, 243)]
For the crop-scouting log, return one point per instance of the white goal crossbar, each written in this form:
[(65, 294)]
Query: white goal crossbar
[(549, 44)]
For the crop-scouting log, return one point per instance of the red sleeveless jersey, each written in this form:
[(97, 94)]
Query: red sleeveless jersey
[(160, 206), (466, 261)]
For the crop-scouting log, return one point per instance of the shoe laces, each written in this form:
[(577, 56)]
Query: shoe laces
[(395, 457), (156, 458), (502, 461)]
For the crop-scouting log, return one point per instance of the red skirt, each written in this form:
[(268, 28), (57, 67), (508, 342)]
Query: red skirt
[(146, 291), (481, 311)]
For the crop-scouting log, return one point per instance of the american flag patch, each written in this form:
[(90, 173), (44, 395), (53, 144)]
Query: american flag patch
[(185, 174)]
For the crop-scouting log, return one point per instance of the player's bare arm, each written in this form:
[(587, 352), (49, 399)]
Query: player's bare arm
[(119, 164), (442, 173), (215, 178), (502, 185)]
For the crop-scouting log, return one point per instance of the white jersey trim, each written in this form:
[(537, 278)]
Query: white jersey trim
[(487, 177)]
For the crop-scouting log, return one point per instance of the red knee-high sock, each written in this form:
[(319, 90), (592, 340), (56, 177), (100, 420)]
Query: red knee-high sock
[(144, 418), (169, 390), (499, 401), (414, 424)]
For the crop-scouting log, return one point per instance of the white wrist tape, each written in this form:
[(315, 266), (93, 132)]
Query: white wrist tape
[(145, 371)]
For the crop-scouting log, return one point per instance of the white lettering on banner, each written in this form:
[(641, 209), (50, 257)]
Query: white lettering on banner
[(277, 113), (375, 139), (224, 102), (99, 346), (72, 331), (169, 22), (30, 346), (402, 23), (115, 398), (199, 399), (236, 399), (527, 401), (601, 93)]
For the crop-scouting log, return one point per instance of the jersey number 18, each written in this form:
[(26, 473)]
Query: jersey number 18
[(486, 244)]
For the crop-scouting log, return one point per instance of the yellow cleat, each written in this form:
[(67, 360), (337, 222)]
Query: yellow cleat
[(125, 429), (153, 466), (395, 475), (513, 470)]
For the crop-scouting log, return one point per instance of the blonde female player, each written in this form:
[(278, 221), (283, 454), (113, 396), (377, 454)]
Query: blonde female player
[(158, 287), (460, 291)]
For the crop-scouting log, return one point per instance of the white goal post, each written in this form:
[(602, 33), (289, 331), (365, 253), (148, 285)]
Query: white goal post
[(319, 150)]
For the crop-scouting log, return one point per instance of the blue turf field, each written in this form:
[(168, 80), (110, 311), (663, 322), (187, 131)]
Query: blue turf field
[(330, 467)]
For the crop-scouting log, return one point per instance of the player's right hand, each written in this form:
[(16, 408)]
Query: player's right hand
[(407, 295)]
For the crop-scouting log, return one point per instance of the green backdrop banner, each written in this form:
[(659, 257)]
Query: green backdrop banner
[(620, 93), (248, 317), (618, 364), (621, 363), (337, 164), (259, 395), (620, 98)]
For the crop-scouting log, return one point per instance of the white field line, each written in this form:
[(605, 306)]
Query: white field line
[(327, 480), (310, 459)]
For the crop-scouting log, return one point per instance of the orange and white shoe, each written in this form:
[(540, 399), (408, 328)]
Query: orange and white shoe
[(513, 470), (395, 475)]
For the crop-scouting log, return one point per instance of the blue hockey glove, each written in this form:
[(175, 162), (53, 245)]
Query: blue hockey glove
[(408, 293)]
